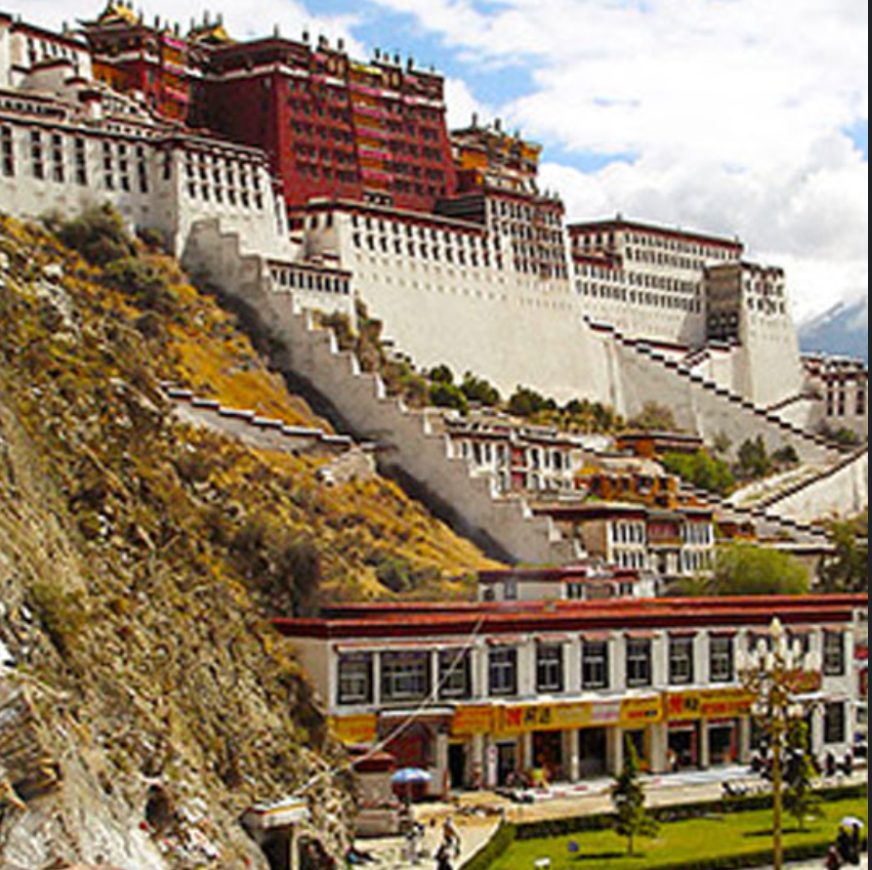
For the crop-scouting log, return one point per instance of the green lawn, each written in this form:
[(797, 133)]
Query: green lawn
[(678, 843)]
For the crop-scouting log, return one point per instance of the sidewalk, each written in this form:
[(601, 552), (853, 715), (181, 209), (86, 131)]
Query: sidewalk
[(392, 854)]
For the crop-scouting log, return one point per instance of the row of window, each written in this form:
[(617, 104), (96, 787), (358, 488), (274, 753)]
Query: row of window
[(837, 402), (302, 279), (408, 676), (655, 240), (654, 300)]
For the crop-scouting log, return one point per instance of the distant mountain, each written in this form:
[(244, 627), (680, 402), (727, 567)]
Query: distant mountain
[(844, 330)]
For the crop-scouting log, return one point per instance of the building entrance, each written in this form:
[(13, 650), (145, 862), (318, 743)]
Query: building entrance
[(683, 747), (507, 763), (457, 765), (723, 743), (592, 752), (548, 754)]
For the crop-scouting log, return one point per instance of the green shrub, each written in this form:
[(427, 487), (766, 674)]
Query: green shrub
[(701, 470), (481, 391), (527, 403), (655, 418), (99, 235), (448, 396), (144, 282)]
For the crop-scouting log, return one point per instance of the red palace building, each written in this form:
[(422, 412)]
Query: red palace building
[(332, 127)]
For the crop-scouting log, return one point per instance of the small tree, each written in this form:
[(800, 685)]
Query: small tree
[(846, 569), (800, 799), (754, 459), (628, 796), (448, 396), (655, 418), (441, 375), (746, 569), (480, 390)]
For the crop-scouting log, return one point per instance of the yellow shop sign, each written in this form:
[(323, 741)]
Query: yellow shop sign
[(708, 704), (353, 730)]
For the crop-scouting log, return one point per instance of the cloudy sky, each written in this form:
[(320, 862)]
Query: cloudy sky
[(745, 117)]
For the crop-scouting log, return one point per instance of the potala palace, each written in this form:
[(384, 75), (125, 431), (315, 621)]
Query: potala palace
[(297, 179)]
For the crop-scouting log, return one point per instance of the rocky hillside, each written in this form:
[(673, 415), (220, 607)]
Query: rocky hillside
[(144, 702)]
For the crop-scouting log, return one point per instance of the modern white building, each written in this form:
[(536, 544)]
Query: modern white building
[(478, 694)]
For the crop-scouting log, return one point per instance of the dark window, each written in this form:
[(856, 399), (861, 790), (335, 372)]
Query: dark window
[(681, 661), (639, 661), (405, 676), (835, 723), (503, 671), (834, 654), (722, 657), (595, 665), (7, 152), (455, 675), (549, 668), (355, 684)]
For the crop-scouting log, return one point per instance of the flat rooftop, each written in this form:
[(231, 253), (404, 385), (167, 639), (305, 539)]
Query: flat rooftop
[(413, 621)]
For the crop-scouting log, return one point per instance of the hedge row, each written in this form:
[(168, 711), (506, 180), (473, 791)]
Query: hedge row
[(552, 828), (495, 849), (763, 858)]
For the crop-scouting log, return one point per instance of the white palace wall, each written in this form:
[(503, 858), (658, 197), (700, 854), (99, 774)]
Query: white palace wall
[(769, 366), (510, 328), (59, 166)]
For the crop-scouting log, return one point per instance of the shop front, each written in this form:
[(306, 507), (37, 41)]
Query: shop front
[(708, 728), (723, 738), (684, 746)]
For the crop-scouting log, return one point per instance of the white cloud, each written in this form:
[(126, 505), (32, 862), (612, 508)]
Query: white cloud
[(733, 111), (244, 20), (462, 104)]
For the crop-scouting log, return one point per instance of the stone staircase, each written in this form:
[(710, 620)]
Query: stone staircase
[(823, 490), (768, 525), (410, 446), (711, 408)]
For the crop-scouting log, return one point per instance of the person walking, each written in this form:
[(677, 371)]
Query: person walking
[(834, 862), (451, 838), (443, 859)]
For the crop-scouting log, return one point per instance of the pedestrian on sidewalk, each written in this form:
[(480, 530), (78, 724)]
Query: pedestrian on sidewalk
[(834, 862), (443, 859), (451, 838)]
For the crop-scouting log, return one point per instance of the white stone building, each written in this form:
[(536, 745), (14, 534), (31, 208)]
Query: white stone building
[(478, 694)]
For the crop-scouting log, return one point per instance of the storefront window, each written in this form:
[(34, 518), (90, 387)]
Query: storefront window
[(639, 672), (355, 679), (834, 654), (549, 668), (455, 675), (722, 659), (595, 665), (503, 667), (836, 723), (681, 661), (405, 676)]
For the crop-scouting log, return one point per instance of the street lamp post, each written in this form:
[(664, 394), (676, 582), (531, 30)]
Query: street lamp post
[(772, 673)]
